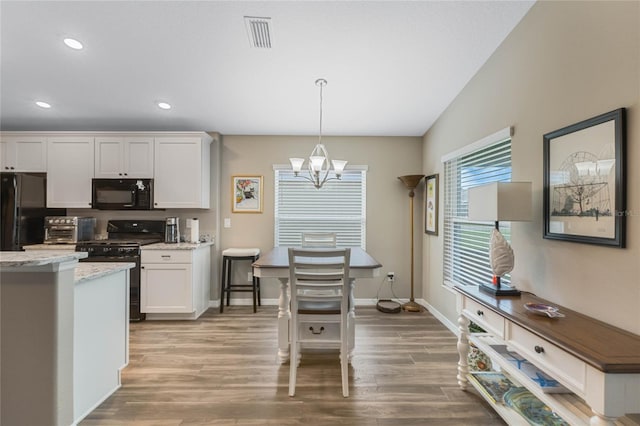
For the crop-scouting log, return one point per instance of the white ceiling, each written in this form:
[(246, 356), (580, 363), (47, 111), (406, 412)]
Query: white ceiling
[(392, 66)]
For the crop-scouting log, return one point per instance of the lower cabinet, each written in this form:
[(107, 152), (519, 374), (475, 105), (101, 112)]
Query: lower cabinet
[(174, 284)]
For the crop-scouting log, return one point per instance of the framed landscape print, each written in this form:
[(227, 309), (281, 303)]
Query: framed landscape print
[(584, 181), (431, 205), (246, 194)]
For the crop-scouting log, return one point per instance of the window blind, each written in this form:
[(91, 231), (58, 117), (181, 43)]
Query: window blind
[(466, 243), (339, 206)]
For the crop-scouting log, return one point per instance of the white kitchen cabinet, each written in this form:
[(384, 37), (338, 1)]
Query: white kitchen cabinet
[(182, 171), (124, 157), (174, 283), (23, 154), (69, 171)]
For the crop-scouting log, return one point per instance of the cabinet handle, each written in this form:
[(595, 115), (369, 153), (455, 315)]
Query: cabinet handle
[(12, 167), (126, 174), (119, 174), (479, 312), (316, 332), (538, 349), (165, 256)]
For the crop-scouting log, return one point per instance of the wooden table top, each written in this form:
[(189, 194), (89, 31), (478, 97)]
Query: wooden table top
[(605, 347), (278, 257)]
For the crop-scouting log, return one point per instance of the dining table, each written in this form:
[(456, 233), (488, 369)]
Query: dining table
[(275, 264)]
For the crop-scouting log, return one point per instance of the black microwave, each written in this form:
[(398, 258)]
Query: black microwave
[(122, 194)]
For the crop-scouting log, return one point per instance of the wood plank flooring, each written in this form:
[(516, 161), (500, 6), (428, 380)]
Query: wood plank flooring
[(222, 370)]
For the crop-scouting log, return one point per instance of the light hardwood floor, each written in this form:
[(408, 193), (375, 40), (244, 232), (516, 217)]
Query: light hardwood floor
[(222, 370)]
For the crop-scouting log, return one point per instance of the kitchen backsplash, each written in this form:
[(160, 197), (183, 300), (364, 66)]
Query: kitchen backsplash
[(206, 218)]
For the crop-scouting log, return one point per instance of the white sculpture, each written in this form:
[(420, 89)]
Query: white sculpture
[(500, 254)]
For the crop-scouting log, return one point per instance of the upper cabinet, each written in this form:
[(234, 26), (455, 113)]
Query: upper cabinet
[(124, 157), (23, 154), (70, 170), (178, 162), (182, 171)]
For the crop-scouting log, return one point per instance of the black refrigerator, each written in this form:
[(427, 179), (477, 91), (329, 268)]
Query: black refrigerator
[(23, 207)]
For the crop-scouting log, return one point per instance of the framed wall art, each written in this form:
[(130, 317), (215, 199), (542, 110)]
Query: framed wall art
[(584, 181), (246, 194), (431, 205)]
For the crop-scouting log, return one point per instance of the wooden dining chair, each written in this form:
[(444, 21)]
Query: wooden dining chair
[(319, 239), (319, 282)]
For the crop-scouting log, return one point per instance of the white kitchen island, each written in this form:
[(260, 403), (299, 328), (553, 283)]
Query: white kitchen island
[(64, 328)]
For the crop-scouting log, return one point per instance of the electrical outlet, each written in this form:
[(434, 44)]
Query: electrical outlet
[(249, 276), (391, 276)]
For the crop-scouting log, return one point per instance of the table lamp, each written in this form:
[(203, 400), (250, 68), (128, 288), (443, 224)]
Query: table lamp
[(496, 201)]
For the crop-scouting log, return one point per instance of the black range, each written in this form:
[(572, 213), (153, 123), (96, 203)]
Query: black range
[(124, 242)]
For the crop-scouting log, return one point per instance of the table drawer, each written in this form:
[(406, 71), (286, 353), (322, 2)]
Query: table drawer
[(166, 256), (319, 331), (561, 365), (484, 317)]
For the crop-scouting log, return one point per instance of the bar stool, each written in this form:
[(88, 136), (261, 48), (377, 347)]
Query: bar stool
[(226, 286)]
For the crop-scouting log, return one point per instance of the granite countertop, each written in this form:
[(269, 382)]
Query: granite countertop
[(86, 271), (71, 247), (38, 257), (177, 246)]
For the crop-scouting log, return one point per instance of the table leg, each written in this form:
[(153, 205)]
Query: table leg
[(601, 420), (351, 318), (284, 316), (463, 351)]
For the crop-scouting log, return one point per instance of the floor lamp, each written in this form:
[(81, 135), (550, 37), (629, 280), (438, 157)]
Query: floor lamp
[(411, 182)]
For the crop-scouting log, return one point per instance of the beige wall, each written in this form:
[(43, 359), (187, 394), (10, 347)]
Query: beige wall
[(387, 199), (565, 62)]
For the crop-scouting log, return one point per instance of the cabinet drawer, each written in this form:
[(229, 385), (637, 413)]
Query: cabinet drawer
[(560, 364), (318, 331), (484, 317), (166, 256)]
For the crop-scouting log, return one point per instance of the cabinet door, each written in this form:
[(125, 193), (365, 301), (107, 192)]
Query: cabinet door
[(24, 154), (108, 157), (178, 172), (166, 288), (70, 160), (138, 157)]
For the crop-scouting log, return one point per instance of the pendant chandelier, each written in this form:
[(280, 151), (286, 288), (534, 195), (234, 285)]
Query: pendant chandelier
[(319, 164)]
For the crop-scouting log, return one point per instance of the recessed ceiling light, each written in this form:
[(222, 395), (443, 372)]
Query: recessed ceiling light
[(43, 104), (73, 43), (163, 105)]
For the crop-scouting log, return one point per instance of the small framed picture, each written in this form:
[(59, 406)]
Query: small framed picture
[(246, 194), (431, 205), (584, 181)]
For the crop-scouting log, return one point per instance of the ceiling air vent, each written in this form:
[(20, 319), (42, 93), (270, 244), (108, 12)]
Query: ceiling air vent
[(258, 31)]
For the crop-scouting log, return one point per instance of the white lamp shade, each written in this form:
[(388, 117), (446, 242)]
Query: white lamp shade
[(510, 201), (296, 164), (338, 166), (316, 162)]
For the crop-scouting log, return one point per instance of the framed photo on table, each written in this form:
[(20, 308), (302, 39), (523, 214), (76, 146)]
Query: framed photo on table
[(431, 205), (584, 181), (246, 194)]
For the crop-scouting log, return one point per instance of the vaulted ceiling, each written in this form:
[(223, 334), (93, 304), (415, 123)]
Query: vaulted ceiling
[(392, 66)]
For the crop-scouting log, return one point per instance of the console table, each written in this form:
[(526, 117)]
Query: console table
[(598, 363)]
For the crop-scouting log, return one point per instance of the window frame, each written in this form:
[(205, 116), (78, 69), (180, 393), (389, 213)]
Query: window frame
[(341, 242), (466, 242)]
